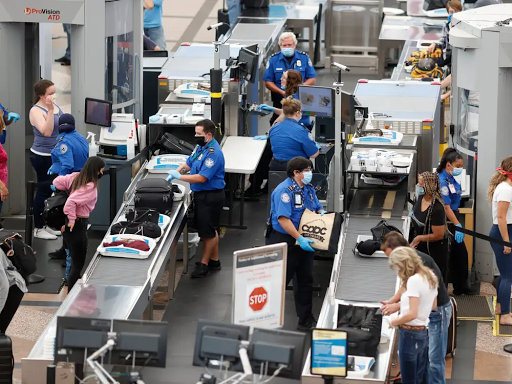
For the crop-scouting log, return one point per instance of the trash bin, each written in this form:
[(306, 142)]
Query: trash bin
[(193, 241)]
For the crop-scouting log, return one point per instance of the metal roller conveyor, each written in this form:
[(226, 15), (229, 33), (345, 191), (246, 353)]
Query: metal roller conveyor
[(117, 288)]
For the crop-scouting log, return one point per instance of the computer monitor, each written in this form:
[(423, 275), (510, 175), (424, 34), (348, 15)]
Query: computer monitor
[(316, 101), (348, 108), (277, 347), (248, 61), (98, 112), (329, 352), (219, 341)]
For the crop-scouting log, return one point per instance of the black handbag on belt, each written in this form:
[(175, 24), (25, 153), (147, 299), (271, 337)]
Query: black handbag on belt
[(145, 228), (154, 194)]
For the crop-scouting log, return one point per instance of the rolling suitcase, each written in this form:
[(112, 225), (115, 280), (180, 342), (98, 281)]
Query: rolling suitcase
[(6, 360), (452, 330)]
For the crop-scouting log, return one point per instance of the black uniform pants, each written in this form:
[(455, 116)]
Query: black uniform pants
[(77, 242), (11, 306), (299, 263), (459, 272), (439, 251), (278, 165)]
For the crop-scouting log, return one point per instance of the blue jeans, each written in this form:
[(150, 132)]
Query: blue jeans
[(68, 263), (504, 263), (438, 344), (157, 34), (233, 11), (412, 355), (67, 29)]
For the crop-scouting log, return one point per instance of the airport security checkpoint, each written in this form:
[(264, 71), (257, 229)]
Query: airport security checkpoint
[(255, 192)]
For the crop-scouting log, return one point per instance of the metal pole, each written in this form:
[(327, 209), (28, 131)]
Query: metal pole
[(50, 374), (112, 171), (216, 87), (337, 146), (29, 226)]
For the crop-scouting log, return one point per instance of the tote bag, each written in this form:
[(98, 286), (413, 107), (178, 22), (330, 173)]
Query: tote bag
[(323, 230)]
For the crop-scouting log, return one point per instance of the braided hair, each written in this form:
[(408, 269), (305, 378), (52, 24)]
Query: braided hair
[(432, 188)]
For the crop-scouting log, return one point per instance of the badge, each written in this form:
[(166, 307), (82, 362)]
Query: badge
[(310, 135), (445, 191), (299, 63), (209, 163), (452, 188), (285, 198), (63, 148)]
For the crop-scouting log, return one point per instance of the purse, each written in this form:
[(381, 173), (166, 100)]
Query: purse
[(324, 230), (141, 215), (146, 228), (382, 229)]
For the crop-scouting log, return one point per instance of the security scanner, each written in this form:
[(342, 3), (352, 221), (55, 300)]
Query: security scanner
[(255, 355)]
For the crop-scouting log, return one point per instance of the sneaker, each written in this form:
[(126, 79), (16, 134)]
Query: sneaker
[(307, 325), (61, 59), (42, 234), (58, 254), (214, 265), (88, 226), (53, 231), (66, 62), (201, 271)]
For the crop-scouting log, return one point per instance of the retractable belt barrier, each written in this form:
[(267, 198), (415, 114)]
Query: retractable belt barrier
[(484, 237)]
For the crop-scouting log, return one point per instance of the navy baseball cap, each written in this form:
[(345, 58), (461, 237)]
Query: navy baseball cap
[(66, 123)]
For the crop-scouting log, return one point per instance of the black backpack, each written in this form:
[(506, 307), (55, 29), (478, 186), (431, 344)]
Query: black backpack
[(53, 212), (21, 255)]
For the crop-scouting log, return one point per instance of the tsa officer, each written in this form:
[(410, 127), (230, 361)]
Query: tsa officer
[(451, 190), (206, 178), (288, 202), (8, 117), (287, 58)]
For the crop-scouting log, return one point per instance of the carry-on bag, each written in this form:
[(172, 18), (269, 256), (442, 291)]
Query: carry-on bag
[(452, 329), (145, 228), (53, 211), (154, 193), (323, 230), (382, 229), (21, 254), (6, 359)]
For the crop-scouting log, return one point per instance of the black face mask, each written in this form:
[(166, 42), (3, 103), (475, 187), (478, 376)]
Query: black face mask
[(200, 140), (100, 175)]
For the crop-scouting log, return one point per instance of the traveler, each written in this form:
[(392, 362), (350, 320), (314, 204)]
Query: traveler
[(66, 59), (12, 289), (69, 155), (206, 178), (287, 58), (44, 118), (453, 6), (439, 317), (288, 202), (500, 196), (153, 23), (79, 205), (451, 191), (429, 221), (417, 300)]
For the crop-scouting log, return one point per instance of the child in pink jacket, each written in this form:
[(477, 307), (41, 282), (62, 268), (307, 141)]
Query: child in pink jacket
[(80, 203)]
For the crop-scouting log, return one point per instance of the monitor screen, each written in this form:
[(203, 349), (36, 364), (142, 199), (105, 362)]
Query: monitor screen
[(98, 112), (316, 101), (329, 352), (248, 61), (348, 111)]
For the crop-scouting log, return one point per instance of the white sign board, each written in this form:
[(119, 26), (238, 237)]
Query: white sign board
[(259, 283)]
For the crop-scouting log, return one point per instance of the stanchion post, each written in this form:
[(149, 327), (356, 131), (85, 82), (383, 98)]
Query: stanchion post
[(113, 192), (50, 374), (29, 226)]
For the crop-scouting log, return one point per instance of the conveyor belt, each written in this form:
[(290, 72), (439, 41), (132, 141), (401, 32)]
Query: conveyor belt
[(379, 282)]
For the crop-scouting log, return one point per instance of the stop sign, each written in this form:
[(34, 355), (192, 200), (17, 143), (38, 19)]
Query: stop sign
[(258, 298)]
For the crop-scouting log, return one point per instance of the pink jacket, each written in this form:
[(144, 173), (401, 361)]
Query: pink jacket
[(81, 202)]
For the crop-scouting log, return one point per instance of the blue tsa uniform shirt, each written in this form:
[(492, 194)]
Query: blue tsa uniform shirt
[(451, 190), (289, 200), (289, 139), (208, 161), (278, 64), (70, 153)]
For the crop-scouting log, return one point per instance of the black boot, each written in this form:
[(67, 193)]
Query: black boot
[(58, 254)]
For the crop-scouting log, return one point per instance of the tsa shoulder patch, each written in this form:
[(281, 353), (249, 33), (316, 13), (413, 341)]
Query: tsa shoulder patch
[(63, 148), (285, 198), (445, 191), (209, 163)]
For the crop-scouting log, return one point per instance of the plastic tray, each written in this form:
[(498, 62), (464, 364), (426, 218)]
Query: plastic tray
[(364, 364), (125, 252), (361, 238), (165, 163)]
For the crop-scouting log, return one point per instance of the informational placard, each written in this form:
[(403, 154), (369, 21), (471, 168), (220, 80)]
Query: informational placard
[(329, 353), (259, 282)]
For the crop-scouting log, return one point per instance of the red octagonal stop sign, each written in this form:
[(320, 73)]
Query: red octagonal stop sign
[(258, 298)]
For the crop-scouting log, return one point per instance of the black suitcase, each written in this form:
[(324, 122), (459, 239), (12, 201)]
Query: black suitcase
[(154, 194), (6, 359), (452, 329)]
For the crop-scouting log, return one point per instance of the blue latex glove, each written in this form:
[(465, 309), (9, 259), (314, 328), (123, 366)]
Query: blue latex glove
[(173, 175), (304, 244), (52, 170), (14, 116), (53, 187), (265, 107), (459, 236), (411, 213), (154, 118), (323, 213), (318, 146), (260, 137)]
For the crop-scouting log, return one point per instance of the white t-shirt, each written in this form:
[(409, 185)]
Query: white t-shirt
[(417, 286), (503, 192)]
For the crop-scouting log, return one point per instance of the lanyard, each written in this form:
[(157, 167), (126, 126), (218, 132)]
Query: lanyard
[(199, 153), (301, 191)]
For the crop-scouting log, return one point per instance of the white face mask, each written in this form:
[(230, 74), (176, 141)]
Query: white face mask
[(54, 97)]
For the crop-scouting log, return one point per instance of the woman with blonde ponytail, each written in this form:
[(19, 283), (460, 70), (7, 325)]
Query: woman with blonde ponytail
[(419, 298), (500, 196)]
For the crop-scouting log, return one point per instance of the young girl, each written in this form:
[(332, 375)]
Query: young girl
[(419, 298), (80, 203)]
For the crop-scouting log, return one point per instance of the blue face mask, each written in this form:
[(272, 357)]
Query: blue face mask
[(450, 18), (288, 52), (308, 176), (456, 171), (420, 190)]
